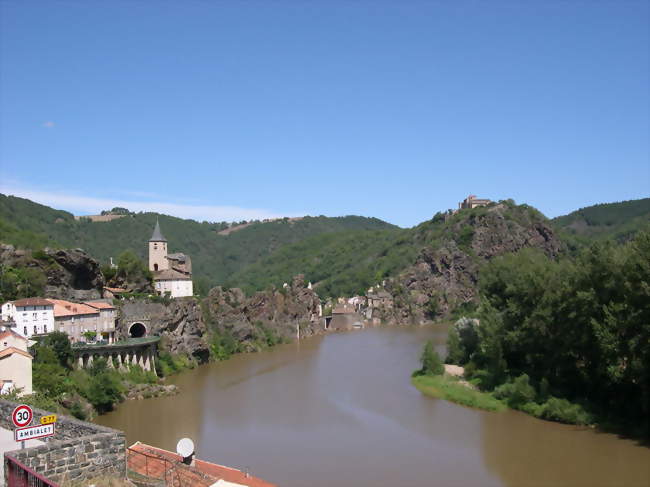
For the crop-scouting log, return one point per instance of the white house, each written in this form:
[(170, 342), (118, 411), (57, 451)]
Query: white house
[(15, 362), (33, 316), (172, 273)]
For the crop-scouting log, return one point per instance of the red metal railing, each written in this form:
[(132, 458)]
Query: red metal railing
[(19, 475), (156, 470)]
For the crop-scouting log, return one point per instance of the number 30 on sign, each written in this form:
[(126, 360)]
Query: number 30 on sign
[(22, 415)]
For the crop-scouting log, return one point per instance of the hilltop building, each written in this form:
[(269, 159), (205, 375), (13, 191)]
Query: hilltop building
[(172, 273), (473, 202)]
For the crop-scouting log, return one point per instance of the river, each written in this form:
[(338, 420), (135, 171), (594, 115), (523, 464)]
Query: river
[(339, 410)]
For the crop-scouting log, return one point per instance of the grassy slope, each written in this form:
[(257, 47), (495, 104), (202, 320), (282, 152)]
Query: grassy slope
[(449, 389)]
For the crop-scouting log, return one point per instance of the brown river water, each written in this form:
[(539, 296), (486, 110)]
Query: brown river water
[(339, 410)]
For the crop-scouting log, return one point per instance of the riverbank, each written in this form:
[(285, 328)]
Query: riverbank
[(451, 389), (518, 395)]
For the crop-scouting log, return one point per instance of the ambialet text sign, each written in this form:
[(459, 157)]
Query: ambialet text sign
[(33, 432)]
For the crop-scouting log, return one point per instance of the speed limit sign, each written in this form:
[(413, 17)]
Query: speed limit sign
[(22, 415)]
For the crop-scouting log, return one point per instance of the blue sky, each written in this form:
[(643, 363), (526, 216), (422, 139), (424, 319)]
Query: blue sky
[(242, 109)]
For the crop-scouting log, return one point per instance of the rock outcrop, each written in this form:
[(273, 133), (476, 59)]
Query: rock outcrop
[(179, 323), (76, 276), (446, 275), (61, 274), (186, 324), (277, 311)]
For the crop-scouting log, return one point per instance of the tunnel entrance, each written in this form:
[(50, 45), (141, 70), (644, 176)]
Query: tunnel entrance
[(137, 330)]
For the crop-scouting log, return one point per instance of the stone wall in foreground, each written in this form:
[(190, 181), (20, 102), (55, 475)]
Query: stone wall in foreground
[(78, 450)]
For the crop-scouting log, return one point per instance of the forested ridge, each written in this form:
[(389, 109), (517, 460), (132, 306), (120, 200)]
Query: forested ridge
[(215, 257), (565, 339), (614, 221), (342, 256)]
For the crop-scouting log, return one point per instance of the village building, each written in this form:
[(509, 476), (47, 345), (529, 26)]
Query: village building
[(113, 292), (32, 316), (74, 319), (358, 302), (15, 362), (172, 273), (473, 202), (379, 298), (106, 321)]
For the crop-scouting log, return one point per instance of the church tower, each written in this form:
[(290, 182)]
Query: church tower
[(158, 251)]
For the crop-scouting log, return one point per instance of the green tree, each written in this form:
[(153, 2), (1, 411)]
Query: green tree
[(59, 342), (431, 363), (48, 375), (129, 266)]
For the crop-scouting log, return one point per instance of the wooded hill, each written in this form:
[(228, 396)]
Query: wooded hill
[(215, 257), (350, 264), (616, 221), (343, 255)]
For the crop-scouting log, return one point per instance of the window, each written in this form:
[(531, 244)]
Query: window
[(44, 328), (35, 316), (25, 330), (35, 330)]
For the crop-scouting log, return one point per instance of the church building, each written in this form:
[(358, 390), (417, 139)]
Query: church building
[(172, 273)]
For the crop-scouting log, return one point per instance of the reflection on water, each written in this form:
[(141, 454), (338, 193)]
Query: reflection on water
[(339, 410)]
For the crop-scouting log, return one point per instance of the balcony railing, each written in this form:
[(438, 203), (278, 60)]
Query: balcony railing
[(120, 343), (19, 475)]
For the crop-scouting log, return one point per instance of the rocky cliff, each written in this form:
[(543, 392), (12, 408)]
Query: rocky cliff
[(178, 321), (275, 313), (447, 270), (62, 274), (189, 326)]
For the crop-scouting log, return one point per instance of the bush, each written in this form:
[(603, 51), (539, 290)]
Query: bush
[(105, 390), (137, 375), (222, 346), (77, 410), (564, 411), (516, 393), (169, 364)]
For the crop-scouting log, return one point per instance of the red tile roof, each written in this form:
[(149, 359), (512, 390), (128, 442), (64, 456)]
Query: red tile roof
[(202, 471), (115, 289), (99, 304), (32, 302), (66, 308), (9, 332), (7, 352)]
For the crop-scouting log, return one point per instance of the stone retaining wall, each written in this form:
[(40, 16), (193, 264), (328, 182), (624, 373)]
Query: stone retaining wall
[(78, 450)]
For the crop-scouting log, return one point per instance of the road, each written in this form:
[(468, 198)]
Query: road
[(7, 443)]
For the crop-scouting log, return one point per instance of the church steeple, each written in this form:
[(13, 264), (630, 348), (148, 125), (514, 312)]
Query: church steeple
[(157, 234)]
